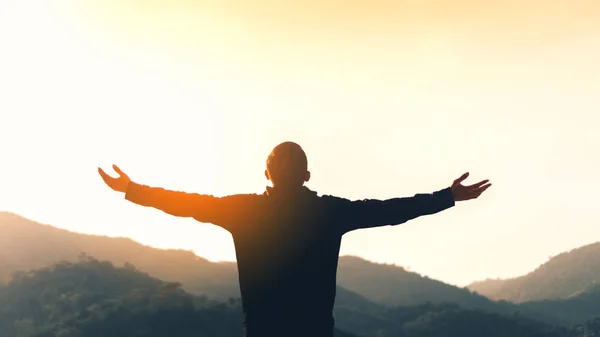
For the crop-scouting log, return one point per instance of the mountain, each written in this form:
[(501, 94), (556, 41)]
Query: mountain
[(567, 312), (26, 245), (394, 286), (93, 298), (564, 276), (365, 289)]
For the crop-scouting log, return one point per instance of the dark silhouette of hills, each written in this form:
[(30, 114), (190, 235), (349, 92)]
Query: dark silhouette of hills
[(391, 285), (366, 290), (567, 312), (26, 245), (92, 298), (564, 276)]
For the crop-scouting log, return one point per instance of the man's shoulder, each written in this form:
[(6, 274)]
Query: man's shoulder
[(333, 200)]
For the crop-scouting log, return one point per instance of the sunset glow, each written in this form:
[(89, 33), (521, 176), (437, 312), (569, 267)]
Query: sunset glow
[(388, 98)]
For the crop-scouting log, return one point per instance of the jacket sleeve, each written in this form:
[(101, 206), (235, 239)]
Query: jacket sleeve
[(227, 212), (351, 215)]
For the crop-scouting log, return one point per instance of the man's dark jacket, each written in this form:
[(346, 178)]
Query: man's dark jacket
[(287, 244)]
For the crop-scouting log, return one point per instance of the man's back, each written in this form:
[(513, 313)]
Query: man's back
[(287, 253)]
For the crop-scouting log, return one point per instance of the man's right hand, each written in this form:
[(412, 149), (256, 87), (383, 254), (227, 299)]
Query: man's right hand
[(118, 184)]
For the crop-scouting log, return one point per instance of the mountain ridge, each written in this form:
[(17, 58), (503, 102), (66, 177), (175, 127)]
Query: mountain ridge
[(94, 298), (29, 244), (363, 286), (366, 290), (564, 276)]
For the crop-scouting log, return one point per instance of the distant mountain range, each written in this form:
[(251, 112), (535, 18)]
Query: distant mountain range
[(391, 285), (564, 276), (93, 298), (26, 245), (363, 287)]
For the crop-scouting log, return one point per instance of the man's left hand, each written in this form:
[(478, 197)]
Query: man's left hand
[(461, 192)]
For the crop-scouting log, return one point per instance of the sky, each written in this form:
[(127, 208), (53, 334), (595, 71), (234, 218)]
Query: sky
[(388, 98)]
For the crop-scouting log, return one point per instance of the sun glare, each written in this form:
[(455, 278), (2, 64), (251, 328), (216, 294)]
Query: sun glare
[(387, 102)]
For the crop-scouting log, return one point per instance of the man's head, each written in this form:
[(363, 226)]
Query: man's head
[(287, 166)]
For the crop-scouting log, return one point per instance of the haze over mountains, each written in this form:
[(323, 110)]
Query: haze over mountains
[(27, 245), (561, 292), (564, 276)]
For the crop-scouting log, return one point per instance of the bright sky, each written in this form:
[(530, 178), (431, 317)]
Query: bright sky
[(388, 98)]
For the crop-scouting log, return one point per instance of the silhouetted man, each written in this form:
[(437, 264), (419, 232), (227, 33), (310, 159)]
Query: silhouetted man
[(287, 239)]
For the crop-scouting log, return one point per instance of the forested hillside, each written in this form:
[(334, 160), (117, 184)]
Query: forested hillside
[(94, 298), (27, 245), (370, 295)]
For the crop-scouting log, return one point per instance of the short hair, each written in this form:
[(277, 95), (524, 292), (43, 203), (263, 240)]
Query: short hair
[(287, 164)]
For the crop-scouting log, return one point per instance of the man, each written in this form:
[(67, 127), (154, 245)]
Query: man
[(287, 239)]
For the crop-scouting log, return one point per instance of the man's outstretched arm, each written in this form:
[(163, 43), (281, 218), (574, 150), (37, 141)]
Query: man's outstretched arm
[(204, 208), (351, 215)]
